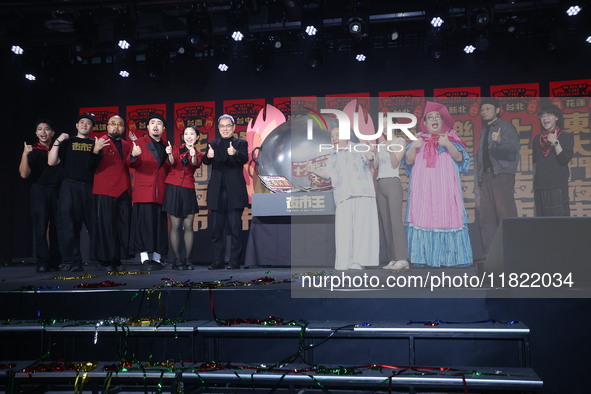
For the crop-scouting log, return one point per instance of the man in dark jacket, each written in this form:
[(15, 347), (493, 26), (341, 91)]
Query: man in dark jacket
[(226, 193), (496, 165)]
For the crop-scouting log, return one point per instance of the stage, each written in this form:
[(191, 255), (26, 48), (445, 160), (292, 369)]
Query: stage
[(228, 326)]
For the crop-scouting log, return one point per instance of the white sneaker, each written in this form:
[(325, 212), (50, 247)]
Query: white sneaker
[(355, 266), (400, 265)]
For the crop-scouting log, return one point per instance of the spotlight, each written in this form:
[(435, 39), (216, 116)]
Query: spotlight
[(30, 77), (588, 39), (311, 30), (437, 21), (124, 74), (435, 47), (124, 29), (573, 10), (16, 49), (124, 44), (469, 49), (223, 67), (278, 44), (355, 27), (360, 57), (199, 28), (394, 36), (511, 29), (237, 36)]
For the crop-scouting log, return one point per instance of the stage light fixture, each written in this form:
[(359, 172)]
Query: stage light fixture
[(17, 50), (437, 21), (223, 67), (573, 10), (30, 77), (394, 36), (124, 29), (356, 27), (237, 35), (156, 62), (312, 17), (124, 73), (124, 44), (588, 39), (360, 57), (199, 28), (469, 49)]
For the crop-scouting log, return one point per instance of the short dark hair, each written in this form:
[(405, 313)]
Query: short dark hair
[(553, 109), (490, 100), (46, 121)]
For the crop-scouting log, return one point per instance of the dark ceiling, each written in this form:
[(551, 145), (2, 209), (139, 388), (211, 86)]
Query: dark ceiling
[(85, 31)]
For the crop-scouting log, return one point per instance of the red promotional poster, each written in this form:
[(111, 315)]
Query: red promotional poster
[(137, 116), (520, 105), (571, 96), (243, 112), (464, 106), (411, 101), (199, 114), (574, 100), (340, 101), (292, 106), (101, 118), (576, 88)]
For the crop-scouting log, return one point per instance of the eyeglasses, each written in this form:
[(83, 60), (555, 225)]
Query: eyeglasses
[(434, 117), (225, 126), (115, 124)]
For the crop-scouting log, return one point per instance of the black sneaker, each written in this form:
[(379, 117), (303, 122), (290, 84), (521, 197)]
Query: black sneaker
[(217, 266), (189, 265), (151, 265), (77, 267), (178, 265)]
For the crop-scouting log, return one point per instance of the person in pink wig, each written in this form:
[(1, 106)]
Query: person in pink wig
[(436, 221)]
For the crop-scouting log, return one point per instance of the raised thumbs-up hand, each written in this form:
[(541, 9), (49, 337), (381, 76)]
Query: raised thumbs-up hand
[(136, 150), (231, 150), (210, 152), (28, 149), (132, 136), (168, 149)]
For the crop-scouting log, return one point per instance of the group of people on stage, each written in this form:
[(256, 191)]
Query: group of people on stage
[(82, 180), (434, 231)]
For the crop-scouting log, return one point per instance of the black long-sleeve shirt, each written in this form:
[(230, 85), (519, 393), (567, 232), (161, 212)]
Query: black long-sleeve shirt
[(552, 172)]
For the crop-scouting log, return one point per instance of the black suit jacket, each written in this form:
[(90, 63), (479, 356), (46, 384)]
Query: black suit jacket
[(227, 170)]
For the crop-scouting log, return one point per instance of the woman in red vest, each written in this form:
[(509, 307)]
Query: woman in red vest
[(180, 200)]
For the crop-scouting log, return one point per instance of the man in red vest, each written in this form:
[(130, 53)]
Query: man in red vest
[(111, 203), (149, 224)]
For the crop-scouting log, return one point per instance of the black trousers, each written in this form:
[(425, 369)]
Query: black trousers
[(75, 209), (44, 212), (552, 202), (111, 221), (497, 202), (149, 228), (219, 218)]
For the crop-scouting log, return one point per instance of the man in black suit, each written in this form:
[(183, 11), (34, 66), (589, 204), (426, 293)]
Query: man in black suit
[(226, 193)]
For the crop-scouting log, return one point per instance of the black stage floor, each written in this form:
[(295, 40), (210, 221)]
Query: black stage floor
[(559, 327)]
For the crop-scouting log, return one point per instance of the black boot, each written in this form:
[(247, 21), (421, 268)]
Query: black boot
[(218, 265), (178, 265), (189, 264)]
